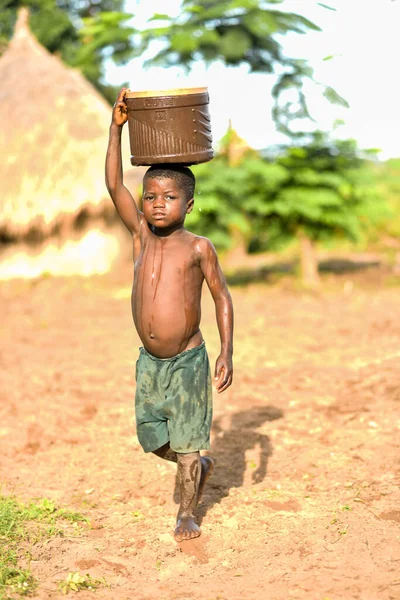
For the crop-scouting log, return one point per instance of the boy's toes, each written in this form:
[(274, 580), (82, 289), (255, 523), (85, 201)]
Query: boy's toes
[(186, 529)]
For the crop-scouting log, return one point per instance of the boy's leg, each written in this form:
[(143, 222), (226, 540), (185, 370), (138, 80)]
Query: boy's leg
[(189, 472), (191, 487), (166, 453), (193, 471)]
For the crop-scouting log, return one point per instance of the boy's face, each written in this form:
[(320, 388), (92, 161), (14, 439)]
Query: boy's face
[(164, 204)]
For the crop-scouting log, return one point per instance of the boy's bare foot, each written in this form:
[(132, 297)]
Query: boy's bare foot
[(207, 468), (186, 529)]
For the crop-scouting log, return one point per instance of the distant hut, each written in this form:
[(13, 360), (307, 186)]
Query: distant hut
[(233, 146), (53, 142)]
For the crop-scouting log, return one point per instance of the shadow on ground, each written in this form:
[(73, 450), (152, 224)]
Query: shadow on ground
[(229, 451)]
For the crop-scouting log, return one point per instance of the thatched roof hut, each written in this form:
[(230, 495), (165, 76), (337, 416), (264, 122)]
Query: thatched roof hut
[(233, 146), (53, 140)]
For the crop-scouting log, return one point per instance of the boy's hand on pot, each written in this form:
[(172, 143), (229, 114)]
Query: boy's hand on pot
[(120, 109)]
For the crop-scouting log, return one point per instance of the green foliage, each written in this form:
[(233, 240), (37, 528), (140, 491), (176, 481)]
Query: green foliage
[(387, 179), (83, 32), (325, 190), (20, 523), (74, 582), (217, 211), (240, 32)]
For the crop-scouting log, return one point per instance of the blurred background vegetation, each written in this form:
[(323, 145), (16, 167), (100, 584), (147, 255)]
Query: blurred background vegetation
[(315, 190)]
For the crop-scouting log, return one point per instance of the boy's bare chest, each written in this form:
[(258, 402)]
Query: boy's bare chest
[(167, 260)]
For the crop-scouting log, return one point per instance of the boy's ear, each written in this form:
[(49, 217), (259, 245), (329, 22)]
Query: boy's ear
[(190, 205)]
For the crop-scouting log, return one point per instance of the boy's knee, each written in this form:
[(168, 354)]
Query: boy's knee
[(166, 453)]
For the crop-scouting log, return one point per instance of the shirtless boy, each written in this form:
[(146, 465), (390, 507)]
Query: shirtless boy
[(173, 383)]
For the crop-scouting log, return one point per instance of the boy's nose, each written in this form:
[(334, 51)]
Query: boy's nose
[(159, 201)]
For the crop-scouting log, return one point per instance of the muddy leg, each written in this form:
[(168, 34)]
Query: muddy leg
[(207, 467), (191, 487), (189, 471), (166, 453)]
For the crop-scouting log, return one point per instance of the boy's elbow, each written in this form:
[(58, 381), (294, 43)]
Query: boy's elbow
[(113, 189), (223, 297)]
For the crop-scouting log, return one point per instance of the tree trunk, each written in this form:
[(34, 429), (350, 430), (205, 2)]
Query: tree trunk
[(308, 262)]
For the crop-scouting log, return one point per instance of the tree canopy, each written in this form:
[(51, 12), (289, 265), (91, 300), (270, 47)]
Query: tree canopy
[(83, 32), (246, 32), (319, 191), (324, 189), (87, 32)]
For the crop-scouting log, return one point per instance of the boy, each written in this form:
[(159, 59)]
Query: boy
[(173, 383)]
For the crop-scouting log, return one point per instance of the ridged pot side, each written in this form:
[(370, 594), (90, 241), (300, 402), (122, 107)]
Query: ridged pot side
[(174, 128)]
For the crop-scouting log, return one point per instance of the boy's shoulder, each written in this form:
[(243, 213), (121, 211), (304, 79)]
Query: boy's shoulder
[(200, 242)]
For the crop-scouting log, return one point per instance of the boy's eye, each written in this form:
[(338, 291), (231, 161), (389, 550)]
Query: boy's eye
[(148, 197), (170, 197)]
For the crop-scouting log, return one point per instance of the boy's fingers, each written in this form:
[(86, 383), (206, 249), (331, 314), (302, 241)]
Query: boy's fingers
[(227, 384), (220, 376), (121, 95), (224, 384), (223, 378)]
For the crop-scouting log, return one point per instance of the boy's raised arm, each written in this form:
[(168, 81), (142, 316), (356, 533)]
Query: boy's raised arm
[(120, 195), (224, 312)]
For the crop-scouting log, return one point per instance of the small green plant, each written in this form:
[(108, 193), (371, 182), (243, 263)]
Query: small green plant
[(22, 525), (16, 582), (159, 564), (74, 582), (137, 516)]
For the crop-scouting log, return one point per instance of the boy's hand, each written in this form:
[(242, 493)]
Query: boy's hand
[(120, 110), (223, 372)]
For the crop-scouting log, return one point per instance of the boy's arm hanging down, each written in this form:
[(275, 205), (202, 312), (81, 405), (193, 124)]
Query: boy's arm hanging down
[(224, 312), (120, 195)]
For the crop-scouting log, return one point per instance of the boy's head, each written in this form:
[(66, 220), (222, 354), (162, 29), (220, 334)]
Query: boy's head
[(168, 192), (183, 177)]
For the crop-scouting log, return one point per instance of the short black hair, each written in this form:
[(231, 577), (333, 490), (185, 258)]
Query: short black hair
[(183, 176)]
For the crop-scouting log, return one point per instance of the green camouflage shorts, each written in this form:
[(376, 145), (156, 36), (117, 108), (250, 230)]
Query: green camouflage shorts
[(174, 400)]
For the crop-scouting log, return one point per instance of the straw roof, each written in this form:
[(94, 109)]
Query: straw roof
[(234, 146), (53, 139)]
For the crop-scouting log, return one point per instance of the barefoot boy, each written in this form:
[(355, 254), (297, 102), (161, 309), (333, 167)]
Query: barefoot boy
[(173, 382)]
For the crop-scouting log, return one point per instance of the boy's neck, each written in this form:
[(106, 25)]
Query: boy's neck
[(164, 232)]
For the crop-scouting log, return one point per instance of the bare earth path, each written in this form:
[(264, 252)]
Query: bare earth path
[(304, 501)]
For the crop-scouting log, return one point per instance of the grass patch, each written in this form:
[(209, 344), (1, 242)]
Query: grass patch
[(75, 582), (21, 526)]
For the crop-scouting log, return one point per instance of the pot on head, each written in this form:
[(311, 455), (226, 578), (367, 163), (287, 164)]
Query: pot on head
[(171, 126)]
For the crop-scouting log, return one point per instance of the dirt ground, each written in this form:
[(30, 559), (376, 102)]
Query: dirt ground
[(305, 499)]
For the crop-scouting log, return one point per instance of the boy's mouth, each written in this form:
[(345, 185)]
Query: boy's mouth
[(159, 215)]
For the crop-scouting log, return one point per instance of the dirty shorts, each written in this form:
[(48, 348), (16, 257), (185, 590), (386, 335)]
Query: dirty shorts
[(174, 400)]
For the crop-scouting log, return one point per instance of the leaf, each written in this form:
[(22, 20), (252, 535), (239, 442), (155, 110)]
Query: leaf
[(207, 37), (234, 44), (184, 42), (294, 22), (334, 98), (160, 17), (260, 24), (326, 6)]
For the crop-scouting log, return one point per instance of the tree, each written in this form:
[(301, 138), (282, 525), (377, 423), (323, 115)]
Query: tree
[(83, 32), (241, 32), (316, 192), (329, 193)]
